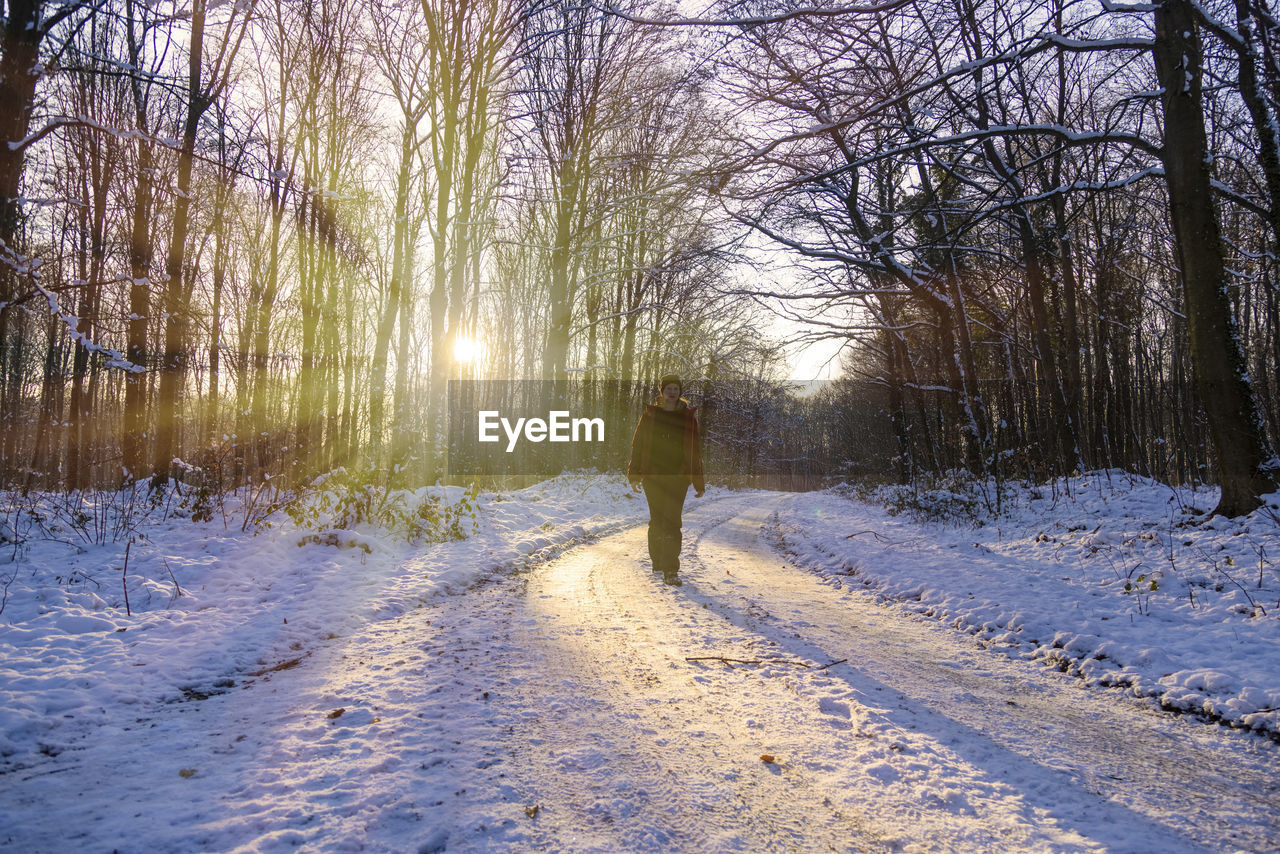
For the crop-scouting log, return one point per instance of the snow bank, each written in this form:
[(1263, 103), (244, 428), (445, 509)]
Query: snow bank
[(1111, 578), (209, 606)]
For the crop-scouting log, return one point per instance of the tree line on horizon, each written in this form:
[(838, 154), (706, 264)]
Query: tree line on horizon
[(252, 236)]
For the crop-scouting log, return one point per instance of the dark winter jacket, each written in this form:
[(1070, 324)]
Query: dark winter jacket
[(690, 465)]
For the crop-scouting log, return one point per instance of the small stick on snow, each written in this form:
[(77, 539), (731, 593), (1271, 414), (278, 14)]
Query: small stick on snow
[(860, 533), (171, 575), (803, 664), (123, 576)]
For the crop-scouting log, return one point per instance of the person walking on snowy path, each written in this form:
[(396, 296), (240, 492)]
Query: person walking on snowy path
[(666, 458)]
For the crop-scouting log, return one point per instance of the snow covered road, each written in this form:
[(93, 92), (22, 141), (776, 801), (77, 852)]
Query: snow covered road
[(921, 741), (558, 710)]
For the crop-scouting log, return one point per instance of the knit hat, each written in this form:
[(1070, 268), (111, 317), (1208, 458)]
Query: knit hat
[(668, 379)]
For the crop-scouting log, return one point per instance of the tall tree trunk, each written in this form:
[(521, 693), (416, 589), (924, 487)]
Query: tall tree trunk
[(140, 260), (1055, 427), (395, 288), (331, 345), (21, 31), (177, 296), (1271, 375), (309, 284), (95, 201), (1060, 427), (259, 417), (894, 356), (555, 358), (441, 359), (39, 472), (136, 382), (15, 419), (348, 436), (1234, 427), (211, 425), (1071, 377), (1260, 109), (442, 336), (402, 452), (974, 427), (260, 379), (78, 413)]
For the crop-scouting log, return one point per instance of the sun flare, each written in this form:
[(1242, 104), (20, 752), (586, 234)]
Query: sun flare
[(468, 350)]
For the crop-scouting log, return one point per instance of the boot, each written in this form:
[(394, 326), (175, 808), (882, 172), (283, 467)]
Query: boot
[(657, 554), (671, 557)]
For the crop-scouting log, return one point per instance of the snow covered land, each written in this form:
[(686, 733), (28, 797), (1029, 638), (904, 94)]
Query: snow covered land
[(1109, 577), (834, 673)]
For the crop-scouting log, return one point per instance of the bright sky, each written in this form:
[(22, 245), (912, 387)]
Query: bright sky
[(776, 270), (819, 360)]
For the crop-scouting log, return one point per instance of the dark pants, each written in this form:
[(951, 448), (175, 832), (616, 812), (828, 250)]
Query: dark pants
[(665, 494)]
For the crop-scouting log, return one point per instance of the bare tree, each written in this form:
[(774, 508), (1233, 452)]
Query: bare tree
[(1219, 364), (203, 88), (468, 53)]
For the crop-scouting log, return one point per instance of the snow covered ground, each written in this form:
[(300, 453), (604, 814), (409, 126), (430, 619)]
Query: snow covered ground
[(1112, 581), (72, 657), (534, 687)]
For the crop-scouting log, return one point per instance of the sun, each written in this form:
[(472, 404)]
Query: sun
[(468, 350)]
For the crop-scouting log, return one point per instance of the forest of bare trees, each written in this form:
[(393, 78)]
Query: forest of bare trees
[(1049, 228), (260, 237)]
